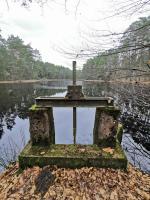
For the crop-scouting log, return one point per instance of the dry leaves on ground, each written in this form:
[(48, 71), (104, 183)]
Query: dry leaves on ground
[(74, 184)]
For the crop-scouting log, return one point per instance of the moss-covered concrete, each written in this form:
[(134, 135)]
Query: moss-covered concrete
[(119, 133), (34, 107), (72, 156), (106, 126), (42, 130), (112, 141)]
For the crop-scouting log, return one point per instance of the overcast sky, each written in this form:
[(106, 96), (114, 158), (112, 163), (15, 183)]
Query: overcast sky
[(55, 26)]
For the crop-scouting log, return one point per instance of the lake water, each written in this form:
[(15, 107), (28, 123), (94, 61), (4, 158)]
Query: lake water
[(133, 100)]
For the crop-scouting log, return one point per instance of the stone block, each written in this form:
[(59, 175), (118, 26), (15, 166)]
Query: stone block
[(41, 126), (72, 156), (105, 128), (74, 92)]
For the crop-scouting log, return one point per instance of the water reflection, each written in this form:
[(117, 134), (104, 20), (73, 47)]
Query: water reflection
[(16, 99), (85, 125), (134, 101)]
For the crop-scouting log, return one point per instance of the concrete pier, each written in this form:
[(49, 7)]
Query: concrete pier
[(105, 127), (106, 150), (42, 131)]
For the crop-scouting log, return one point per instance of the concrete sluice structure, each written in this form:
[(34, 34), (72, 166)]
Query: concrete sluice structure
[(106, 149)]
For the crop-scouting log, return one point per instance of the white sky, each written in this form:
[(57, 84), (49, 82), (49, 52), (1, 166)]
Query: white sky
[(55, 27)]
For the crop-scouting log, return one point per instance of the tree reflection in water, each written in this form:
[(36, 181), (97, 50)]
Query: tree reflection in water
[(16, 99), (133, 100)]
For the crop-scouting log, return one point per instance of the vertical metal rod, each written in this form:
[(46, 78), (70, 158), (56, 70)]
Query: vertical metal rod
[(74, 125), (74, 108), (74, 72)]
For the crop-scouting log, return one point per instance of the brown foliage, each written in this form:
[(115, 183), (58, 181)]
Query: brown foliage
[(74, 184)]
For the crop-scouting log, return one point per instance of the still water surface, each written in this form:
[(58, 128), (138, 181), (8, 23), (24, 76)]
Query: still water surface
[(133, 100)]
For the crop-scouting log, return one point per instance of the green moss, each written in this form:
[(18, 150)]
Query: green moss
[(62, 150), (71, 156), (111, 141), (119, 151), (107, 154), (35, 149), (119, 133), (33, 107)]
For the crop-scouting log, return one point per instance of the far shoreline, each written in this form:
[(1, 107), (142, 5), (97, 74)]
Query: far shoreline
[(49, 80), (31, 81)]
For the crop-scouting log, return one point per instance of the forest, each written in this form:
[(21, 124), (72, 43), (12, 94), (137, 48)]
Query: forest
[(131, 57), (21, 62)]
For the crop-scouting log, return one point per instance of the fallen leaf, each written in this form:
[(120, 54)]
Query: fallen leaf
[(42, 153), (108, 150), (82, 150), (114, 195)]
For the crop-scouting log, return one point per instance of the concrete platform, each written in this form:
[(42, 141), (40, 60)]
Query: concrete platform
[(72, 156), (47, 101)]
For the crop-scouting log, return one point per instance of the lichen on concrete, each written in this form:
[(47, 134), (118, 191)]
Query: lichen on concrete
[(33, 107), (119, 133), (42, 149), (42, 129), (71, 156), (106, 126)]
